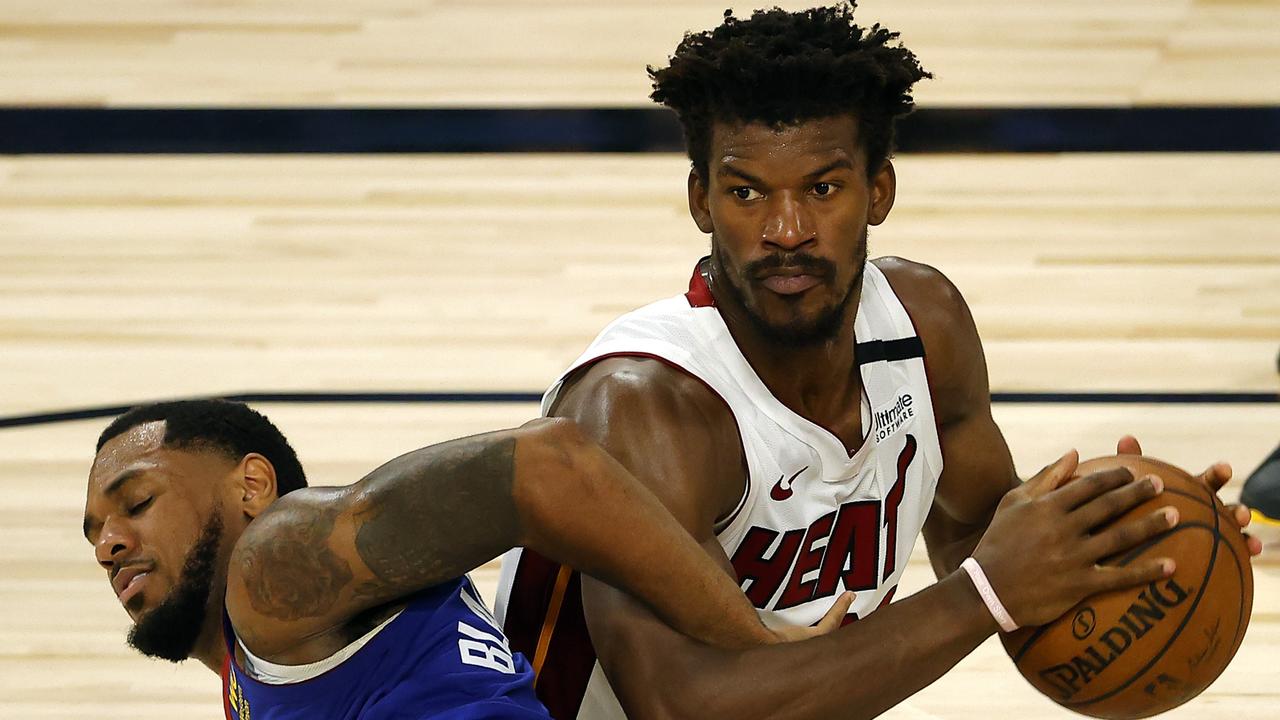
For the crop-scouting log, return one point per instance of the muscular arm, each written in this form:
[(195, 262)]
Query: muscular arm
[(680, 439), (677, 437), (320, 556), (977, 467)]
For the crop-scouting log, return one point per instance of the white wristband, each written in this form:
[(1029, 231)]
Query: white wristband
[(988, 595)]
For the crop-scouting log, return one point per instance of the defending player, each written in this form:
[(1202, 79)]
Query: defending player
[(346, 602), (806, 414)]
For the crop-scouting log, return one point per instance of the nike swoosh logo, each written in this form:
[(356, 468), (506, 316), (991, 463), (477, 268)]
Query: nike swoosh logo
[(782, 489)]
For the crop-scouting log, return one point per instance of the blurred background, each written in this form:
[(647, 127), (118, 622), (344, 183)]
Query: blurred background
[(413, 215)]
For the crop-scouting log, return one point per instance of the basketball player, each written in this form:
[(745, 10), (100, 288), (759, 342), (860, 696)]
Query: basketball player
[(346, 602), (1261, 492), (806, 413)]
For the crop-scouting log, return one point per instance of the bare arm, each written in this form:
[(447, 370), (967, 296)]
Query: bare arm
[(678, 438), (320, 556), (977, 467)]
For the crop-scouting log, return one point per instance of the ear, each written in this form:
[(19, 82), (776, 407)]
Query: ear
[(883, 188), (698, 206), (256, 486)]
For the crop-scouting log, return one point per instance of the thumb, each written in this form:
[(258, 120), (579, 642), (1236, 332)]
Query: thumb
[(835, 616), (1128, 445), (1056, 474), (830, 621)]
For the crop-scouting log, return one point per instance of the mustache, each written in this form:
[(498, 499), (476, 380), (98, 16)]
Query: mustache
[(803, 262)]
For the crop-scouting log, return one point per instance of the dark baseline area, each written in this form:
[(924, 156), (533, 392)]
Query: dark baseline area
[(79, 130)]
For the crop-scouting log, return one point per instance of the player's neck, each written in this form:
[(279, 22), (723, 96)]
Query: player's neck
[(816, 380), (211, 647)]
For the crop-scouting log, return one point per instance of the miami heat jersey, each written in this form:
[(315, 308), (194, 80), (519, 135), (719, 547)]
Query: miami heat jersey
[(442, 657), (813, 521)]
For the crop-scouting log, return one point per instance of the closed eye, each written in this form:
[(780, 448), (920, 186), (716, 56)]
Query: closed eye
[(139, 507)]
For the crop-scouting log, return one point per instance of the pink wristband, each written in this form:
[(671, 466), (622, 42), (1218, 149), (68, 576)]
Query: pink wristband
[(988, 595)]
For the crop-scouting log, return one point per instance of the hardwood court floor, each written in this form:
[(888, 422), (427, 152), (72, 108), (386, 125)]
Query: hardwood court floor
[(62, 653), (581, 53), (123, 279)]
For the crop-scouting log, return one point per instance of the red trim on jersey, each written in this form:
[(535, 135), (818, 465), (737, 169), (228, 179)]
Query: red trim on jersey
[(568, 657), (541, 615), (226, 687), (699, 294)]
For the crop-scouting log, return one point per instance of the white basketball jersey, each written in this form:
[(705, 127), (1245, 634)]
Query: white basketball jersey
[(813, 520)]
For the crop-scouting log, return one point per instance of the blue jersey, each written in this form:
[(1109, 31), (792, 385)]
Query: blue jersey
[(442, 657)]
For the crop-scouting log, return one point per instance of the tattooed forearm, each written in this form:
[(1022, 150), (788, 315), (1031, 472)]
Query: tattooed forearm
[(436, 513), (292, 574)]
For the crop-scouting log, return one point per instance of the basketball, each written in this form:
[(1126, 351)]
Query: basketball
[(1141, 651)]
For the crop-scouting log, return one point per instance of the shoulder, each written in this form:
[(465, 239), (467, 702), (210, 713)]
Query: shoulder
[(933, 301), (627, 384), (953, 350), (667, 427)]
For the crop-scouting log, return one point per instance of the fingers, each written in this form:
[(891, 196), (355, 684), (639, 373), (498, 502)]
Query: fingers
[(1128, 445), (829, 622), (1107, 578), (1125, 536), (1119, 497), (1241, 514), (835, 615), (1254, 545), (1054, 475), (1091, 486), (1218, 475)]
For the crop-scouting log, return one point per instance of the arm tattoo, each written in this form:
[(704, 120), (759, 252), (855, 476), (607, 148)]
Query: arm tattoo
[(434, 514), (292, 574)]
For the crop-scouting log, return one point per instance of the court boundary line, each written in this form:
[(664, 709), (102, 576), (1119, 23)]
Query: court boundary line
[(513, 397)]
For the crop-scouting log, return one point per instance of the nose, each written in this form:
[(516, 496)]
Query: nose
[(789, 225), (115, 543)]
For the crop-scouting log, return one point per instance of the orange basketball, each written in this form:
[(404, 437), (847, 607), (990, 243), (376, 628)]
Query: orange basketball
[(1142, 651)]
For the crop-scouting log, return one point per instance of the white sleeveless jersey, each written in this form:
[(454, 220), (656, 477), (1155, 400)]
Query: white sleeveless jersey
[(813, 520)]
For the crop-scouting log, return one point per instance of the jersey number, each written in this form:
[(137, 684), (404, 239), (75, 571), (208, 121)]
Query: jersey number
[(485, 650)]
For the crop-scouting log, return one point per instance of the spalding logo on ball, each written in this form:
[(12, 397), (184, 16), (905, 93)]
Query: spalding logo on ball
[(1138, 652)]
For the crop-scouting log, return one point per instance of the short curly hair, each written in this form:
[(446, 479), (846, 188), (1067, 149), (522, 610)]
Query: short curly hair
[(230, 428), (780, 68)]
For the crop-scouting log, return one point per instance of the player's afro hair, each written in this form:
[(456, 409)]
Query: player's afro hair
[(780, 68), (231, 428)]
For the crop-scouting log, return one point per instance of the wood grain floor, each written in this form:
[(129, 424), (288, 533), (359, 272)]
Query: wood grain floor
[(580, 52), (166, 276), (62, 653), (124, 279)]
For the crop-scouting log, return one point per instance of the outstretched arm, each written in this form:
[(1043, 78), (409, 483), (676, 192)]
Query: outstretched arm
[(679, 438), (319, 556)]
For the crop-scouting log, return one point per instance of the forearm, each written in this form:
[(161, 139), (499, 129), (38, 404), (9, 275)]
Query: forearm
[(946, 556), (580, 506), (858, 671)]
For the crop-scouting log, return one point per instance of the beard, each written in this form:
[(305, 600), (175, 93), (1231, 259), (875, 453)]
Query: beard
[(797, 332), (171, 630)]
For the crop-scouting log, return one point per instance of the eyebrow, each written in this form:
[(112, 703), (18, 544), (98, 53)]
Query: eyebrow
[(111, 488), (727, 169), (838, 164), (841, 164)]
